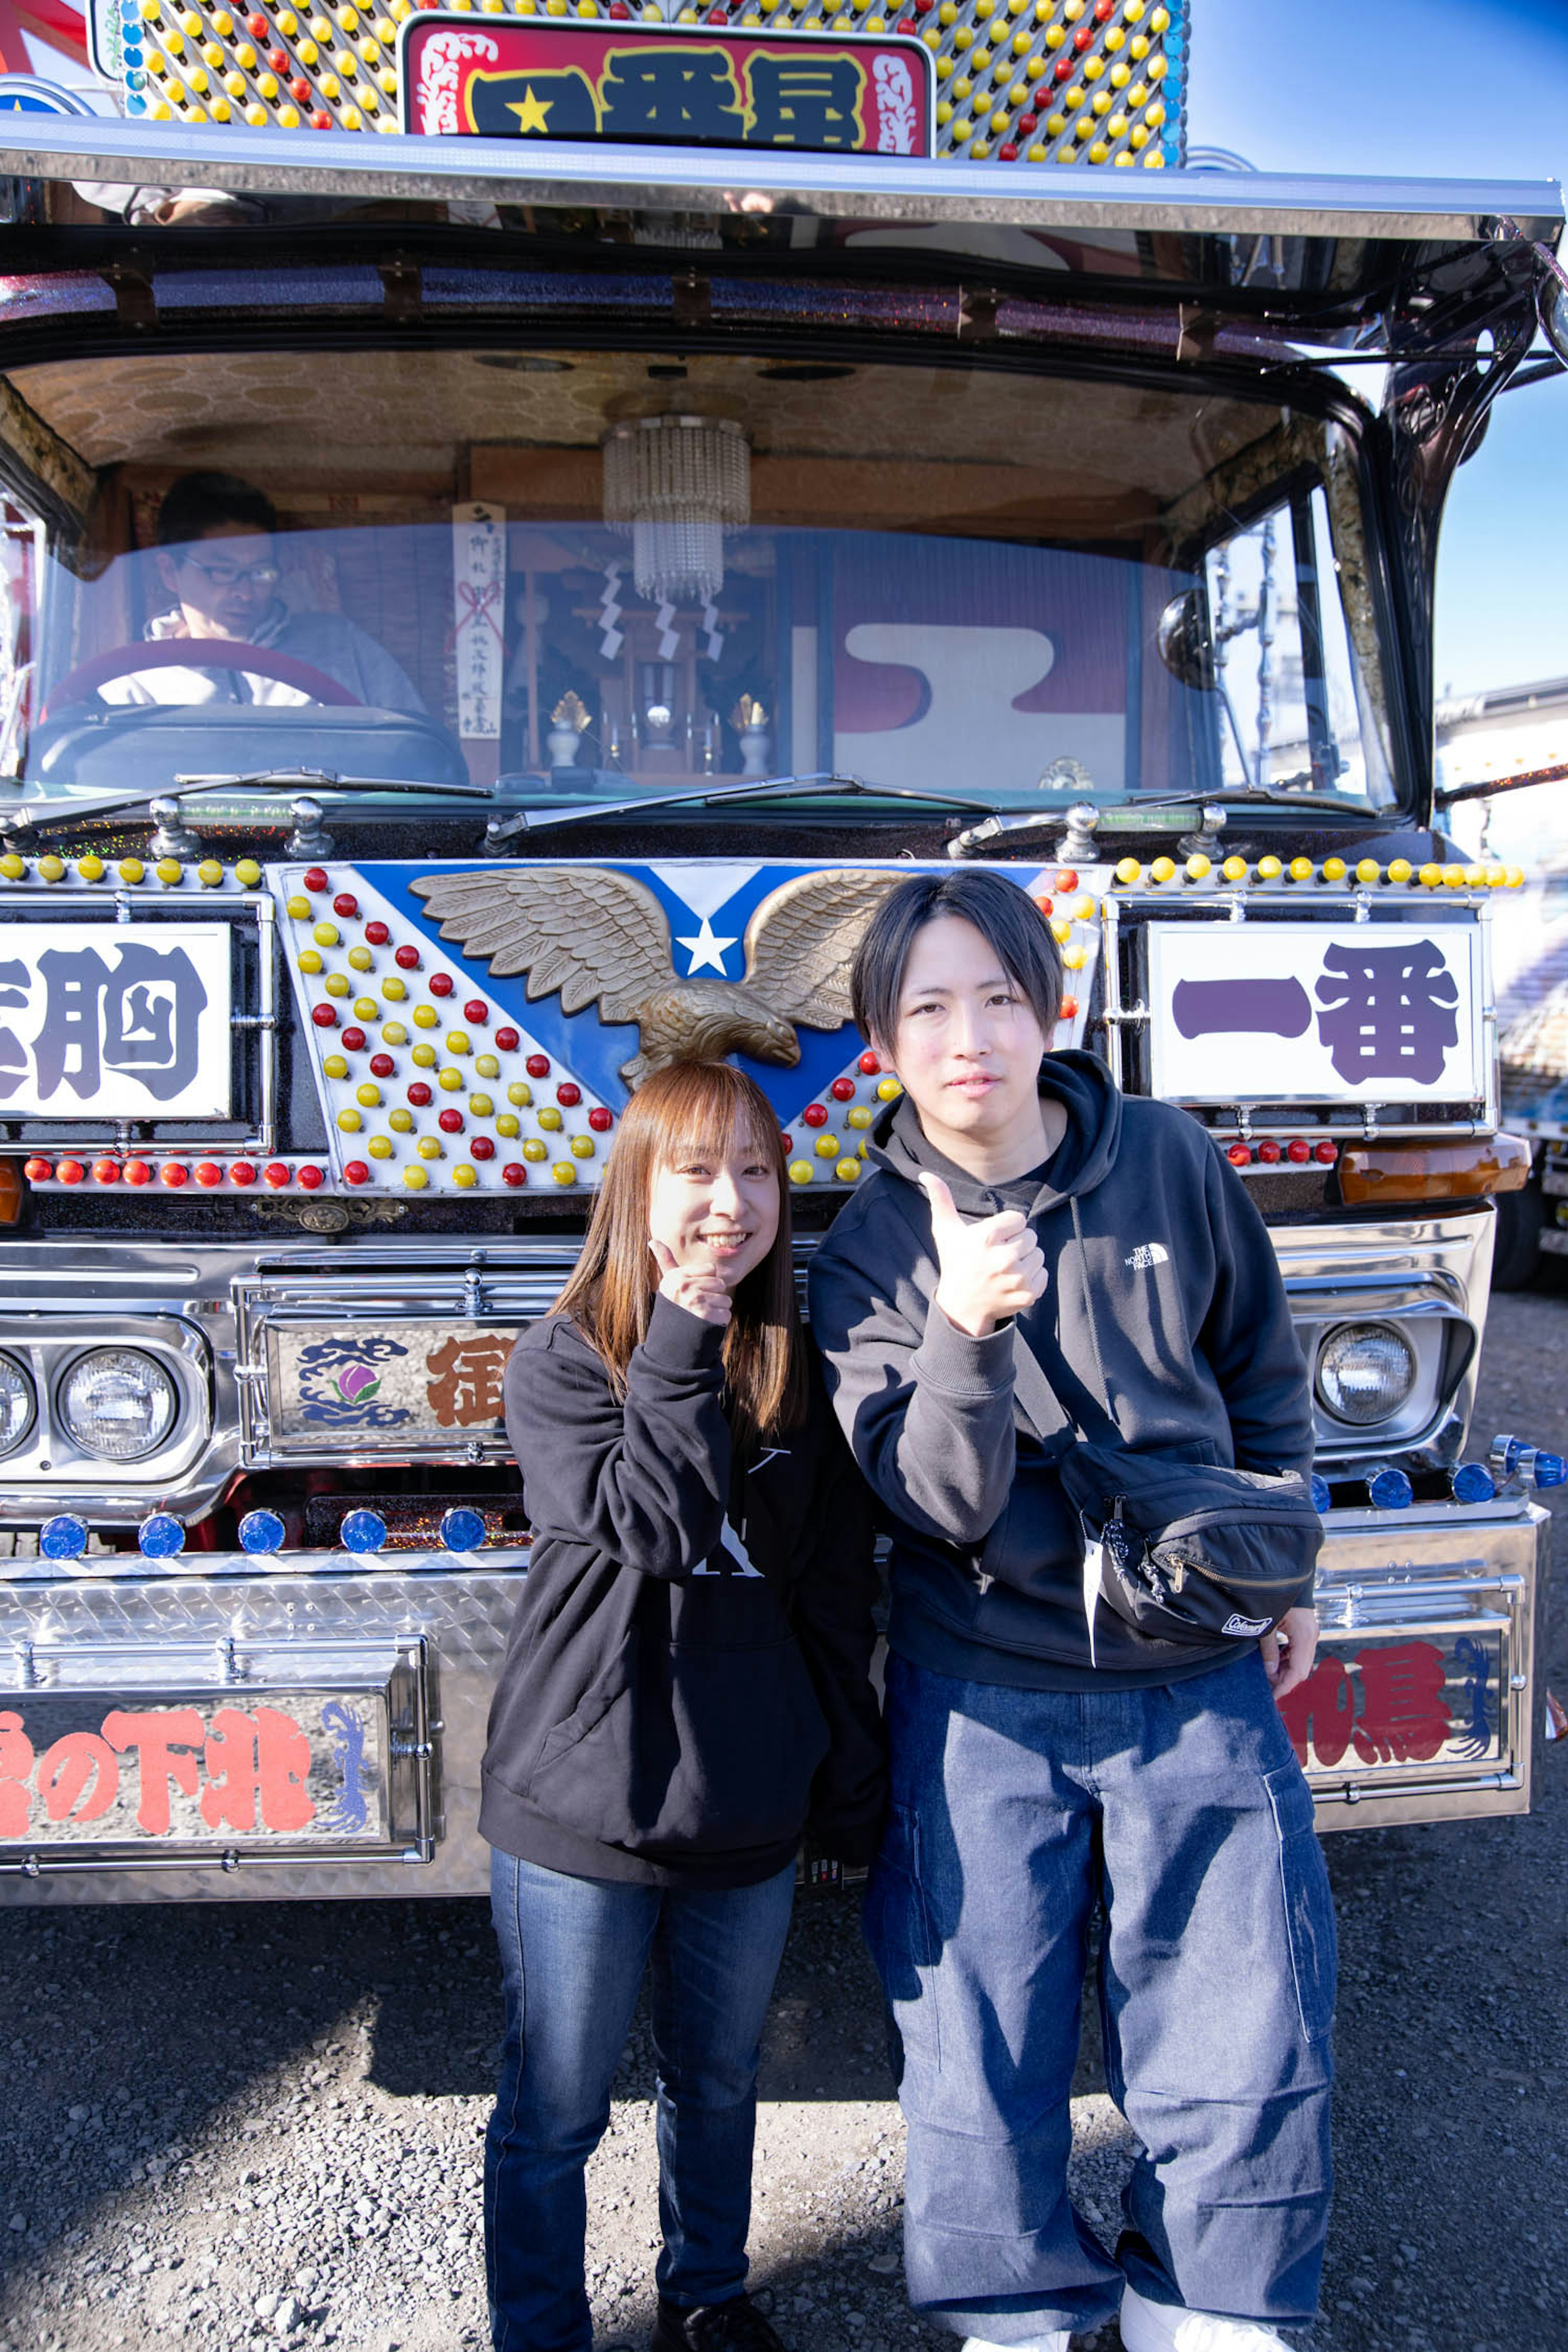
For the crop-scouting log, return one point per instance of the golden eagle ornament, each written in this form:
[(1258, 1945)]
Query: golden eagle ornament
[(590, 935)]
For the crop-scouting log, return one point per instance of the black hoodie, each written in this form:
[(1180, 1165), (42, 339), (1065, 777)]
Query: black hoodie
[(686, 1687), (1193, 1332)]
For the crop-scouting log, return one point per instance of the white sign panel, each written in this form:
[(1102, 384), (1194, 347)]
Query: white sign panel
[(115, 1021), (479, 588), (1316, 1011)]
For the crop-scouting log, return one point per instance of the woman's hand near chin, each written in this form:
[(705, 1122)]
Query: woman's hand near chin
[(696, 1285)]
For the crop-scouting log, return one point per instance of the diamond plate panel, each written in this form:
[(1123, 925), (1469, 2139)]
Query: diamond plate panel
[(463, 1617)]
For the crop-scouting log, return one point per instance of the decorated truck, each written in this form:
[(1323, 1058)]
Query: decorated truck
[(1532, 1049), (489, 612)]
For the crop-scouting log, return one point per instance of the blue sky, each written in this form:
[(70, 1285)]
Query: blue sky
[(1461, 88)]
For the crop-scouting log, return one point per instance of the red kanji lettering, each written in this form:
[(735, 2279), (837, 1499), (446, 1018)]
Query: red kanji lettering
[(80, 1759), (1404, 1716), (264, 1756), (15, 1763), (167, 1741), (1320, 1712), (466, 1386)]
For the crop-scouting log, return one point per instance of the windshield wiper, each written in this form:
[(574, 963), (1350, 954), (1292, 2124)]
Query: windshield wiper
[(20, 816), (1253, 795), (714, 795), (1078, 845), (325, 779)]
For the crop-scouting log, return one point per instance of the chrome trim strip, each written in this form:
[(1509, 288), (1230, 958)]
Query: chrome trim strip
[(398, 167)]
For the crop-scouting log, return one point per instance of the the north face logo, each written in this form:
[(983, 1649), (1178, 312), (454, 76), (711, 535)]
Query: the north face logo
[(1146, 1255)]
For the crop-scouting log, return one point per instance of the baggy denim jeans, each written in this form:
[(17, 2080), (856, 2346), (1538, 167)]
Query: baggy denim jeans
[(1184, 1809), (573, 1954)]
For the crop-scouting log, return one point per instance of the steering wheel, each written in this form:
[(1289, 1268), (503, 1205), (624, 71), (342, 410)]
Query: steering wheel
[(199, 653)]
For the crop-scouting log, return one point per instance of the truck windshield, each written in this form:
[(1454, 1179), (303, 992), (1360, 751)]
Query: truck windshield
[(491, 566)]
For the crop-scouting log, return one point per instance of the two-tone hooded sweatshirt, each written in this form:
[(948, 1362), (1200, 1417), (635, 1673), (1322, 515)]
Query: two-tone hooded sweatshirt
[(1194, 1332), (686, 1688)]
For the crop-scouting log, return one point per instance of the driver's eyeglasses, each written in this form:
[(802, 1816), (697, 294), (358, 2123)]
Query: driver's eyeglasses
[(228, 575)]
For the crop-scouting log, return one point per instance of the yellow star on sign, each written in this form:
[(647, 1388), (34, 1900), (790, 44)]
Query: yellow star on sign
[(533, 114)]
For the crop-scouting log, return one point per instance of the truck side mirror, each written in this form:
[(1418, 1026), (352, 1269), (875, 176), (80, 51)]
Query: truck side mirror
[(1551, 305), (1186, 647)]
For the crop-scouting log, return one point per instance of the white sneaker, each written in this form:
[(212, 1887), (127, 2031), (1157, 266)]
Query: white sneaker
[(1059, 2340), (1165, 2328)]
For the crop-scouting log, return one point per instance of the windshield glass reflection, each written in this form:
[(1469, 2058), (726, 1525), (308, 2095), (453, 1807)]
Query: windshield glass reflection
[(936, 580)]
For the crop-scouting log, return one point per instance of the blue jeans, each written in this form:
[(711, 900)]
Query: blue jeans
[(1183, 1809), (573, 1953)]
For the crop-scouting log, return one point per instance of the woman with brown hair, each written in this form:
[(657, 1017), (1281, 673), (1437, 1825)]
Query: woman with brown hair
[(686, 1692)]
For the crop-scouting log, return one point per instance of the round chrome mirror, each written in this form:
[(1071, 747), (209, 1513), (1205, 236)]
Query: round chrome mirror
[(1552, 308), (1182, 637)]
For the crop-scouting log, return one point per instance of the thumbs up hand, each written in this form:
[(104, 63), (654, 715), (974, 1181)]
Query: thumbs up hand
[(988, 1271)]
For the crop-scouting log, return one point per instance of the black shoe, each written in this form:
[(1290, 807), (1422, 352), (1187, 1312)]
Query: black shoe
[(734, 2327)]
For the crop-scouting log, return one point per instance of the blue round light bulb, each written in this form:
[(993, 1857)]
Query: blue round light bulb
[(63, 1537), (161, 1535), (261, 1531), (1551, 1470), (463, 1530), (1472, 1482), (363, 1531), (1390, 1490), (1322, 1499)]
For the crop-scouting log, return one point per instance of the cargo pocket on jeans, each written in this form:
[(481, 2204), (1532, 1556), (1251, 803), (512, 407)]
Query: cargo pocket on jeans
[(902, 1940), (1308, 1905)]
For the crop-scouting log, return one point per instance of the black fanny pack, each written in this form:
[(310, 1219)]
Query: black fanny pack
[(1183, 1552)]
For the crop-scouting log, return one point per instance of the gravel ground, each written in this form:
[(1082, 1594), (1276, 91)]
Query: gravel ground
[(264, 2125)]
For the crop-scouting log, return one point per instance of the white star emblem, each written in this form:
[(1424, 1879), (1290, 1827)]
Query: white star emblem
[(707, 951)]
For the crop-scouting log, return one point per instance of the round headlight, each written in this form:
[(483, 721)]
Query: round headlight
[(1366, 1371), (16, 1405), (118, 1403)]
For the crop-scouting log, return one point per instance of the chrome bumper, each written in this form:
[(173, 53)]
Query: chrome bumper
[(318, 1731), (1424, 1705)]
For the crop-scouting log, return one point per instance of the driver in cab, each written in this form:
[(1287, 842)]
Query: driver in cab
[(216, 554)]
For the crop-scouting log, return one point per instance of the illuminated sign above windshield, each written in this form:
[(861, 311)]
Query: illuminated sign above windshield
[(1098, 82), (702, 86)]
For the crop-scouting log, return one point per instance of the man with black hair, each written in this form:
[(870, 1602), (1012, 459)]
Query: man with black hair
[(217, 553), (1029, 1233)]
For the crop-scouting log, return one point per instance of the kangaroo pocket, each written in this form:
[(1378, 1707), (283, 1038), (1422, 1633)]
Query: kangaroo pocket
[(1033, 1549), (684, 1748)]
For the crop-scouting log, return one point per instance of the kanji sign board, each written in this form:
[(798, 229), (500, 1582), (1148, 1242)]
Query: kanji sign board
[(1316, 1011), (854, 94), (407, 1383), (243, 1767), (121, 1021)]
